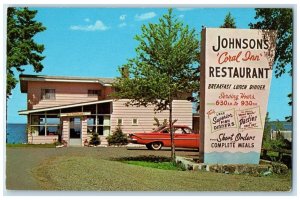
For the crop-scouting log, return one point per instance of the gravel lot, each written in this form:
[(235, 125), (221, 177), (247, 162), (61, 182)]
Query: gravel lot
[(91, 169)]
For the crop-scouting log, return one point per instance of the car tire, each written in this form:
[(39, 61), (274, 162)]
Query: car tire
[(149, 146), (156, 145)]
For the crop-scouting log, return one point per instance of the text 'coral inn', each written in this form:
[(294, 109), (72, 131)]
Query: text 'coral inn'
[(75, 107)]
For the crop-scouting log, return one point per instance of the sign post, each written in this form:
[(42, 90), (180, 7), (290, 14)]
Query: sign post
[(236, 71)]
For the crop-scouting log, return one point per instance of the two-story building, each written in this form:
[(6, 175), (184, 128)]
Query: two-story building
[(75, 107)]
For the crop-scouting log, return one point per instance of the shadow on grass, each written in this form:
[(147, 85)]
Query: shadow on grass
[(158, 162)]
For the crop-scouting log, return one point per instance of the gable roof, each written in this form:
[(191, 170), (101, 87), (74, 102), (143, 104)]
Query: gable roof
[(24, 78)]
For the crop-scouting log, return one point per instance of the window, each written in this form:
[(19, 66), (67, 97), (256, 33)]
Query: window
[(100, 130), (120, 121), (93, 93), (178, 131), (52, 130), (44, 124), (91, 130), (187, 130), (135, 122), (48, 93), (41, 130), (91, 124), (100, 120), (53, 120), (98, 123), (91, 120)]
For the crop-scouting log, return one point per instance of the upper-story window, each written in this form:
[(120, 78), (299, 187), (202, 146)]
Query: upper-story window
[(48, 93), (92, 93), (135, 122)]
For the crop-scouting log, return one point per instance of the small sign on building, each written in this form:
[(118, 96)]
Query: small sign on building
[(75, 114), (236, 71)]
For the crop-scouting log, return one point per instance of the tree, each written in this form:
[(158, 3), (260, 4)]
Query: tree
[(118, 137), (165, 67), (290, 118), (267, 132), (228, 22), (21, 48), (281, 20), (95, 140), (164, 123)]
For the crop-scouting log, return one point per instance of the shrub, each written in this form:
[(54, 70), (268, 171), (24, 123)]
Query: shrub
[(118, 137), (56, 142), (94, 139)]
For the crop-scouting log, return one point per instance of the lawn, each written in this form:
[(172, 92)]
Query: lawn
[(92, 169)]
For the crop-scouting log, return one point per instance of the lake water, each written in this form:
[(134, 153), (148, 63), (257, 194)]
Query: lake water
[(16, 133)]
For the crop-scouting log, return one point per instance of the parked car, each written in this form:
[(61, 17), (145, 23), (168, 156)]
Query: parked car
[(183, 137)]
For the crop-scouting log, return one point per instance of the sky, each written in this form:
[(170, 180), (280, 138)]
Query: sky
[(94, 42)]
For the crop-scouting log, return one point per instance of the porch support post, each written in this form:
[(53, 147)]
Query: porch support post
[(66, 129), (84, 135)]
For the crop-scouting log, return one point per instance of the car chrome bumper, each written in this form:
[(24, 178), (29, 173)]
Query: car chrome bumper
[(132, 140)]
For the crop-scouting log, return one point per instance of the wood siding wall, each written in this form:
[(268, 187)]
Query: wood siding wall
[(65, 93), (43, 139), (66, 129), (182, 111)]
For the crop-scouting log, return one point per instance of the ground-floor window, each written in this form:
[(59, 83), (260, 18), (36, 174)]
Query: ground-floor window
[(45, 124), (99, 124)]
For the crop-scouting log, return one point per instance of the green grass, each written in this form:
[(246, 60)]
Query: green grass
[(272, 153), (32, 145), (92, 169), (90, 173), (156, 165)]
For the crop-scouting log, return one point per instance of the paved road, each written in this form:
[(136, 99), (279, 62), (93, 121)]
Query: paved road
[(21, 162)]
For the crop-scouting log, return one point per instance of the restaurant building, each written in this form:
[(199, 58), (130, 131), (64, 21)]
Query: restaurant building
[(75, 107)]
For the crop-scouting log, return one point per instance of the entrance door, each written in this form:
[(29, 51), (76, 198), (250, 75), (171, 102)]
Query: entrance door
[(75, 131)]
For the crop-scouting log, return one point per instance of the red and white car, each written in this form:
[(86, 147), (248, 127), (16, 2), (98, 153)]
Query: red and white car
[(183, 137)]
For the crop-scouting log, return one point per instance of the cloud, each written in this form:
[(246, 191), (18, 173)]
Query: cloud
[(184, 9), (98, 26), (122, 25), (122, 17), (87, 19), (145, 16)]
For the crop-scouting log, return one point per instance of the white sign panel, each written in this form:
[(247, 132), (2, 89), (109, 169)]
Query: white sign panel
[(235, 83)]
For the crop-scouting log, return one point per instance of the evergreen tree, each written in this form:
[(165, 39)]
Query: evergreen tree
[(267, 132), (21, 48), (118, 137), (165, 67), (229, 22), (95, 140)]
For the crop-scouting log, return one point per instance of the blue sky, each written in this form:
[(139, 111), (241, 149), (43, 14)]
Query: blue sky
[(94, 42)]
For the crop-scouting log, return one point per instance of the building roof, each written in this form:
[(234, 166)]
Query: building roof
[(24, 78), (26, 112)]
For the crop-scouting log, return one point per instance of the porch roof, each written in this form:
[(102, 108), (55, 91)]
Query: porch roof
[(26, 112)]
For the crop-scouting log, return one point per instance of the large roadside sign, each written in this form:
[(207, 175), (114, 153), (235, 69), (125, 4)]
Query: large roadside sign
[(236, 72)]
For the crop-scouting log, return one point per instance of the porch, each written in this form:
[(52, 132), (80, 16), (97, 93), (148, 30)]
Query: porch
[(73, 123)]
